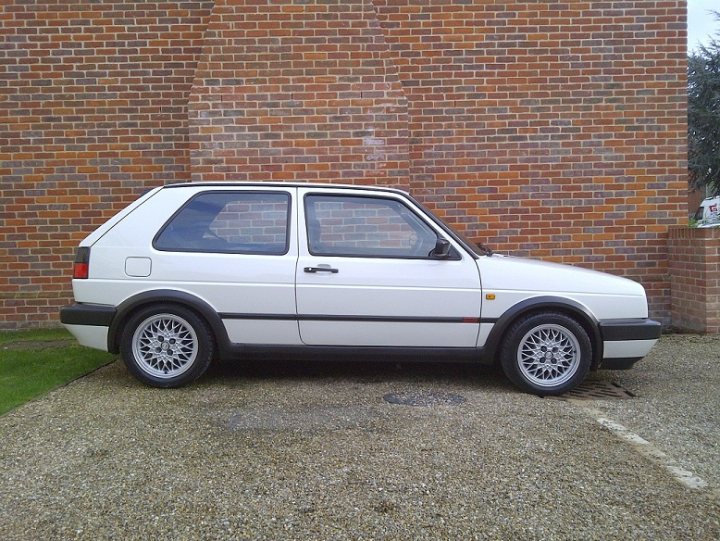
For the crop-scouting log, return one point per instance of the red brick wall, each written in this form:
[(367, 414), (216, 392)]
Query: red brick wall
[(695, 278), (552, 130), (93, 109), (298, 91), (694, 198)]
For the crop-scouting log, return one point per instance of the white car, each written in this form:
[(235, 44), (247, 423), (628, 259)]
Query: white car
[(191, 272), (708, 213)]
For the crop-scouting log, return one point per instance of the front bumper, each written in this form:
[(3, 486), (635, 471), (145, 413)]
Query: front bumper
[(626, 341)]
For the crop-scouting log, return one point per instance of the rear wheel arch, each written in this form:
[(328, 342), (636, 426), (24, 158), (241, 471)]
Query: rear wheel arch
[(536, 305), (128, 308)]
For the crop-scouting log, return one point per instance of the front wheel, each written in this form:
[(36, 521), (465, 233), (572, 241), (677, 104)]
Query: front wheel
[(546, 354), (166, 346)]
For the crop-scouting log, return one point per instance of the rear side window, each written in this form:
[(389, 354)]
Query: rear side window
[(229, 222)]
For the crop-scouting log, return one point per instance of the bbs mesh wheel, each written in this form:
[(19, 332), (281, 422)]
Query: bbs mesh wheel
[(547, 353), (166, 346)]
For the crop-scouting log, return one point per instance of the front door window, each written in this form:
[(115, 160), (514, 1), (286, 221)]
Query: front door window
[(347, 226)]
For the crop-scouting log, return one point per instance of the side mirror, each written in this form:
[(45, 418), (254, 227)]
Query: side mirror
[(441, 250)]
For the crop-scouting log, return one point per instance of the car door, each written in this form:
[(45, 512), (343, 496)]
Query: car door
[(365, 277)]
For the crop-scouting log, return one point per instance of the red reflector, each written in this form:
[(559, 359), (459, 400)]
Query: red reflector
[(81, 270)]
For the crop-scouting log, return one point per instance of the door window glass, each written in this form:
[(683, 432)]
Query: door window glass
[(365, 227), (229, 222)]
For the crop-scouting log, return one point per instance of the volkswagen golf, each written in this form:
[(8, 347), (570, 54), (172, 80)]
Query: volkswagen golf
[(193, 272)]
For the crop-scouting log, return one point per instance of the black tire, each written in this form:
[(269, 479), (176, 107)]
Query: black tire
[(166, 345), (546, 353)]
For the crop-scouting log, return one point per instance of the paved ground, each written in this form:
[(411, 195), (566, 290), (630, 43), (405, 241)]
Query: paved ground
[(312, 451)]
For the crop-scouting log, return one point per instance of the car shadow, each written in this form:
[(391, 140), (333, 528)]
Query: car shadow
[(358, 371)]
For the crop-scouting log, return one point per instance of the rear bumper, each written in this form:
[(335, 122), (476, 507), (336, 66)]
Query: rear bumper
[(95, 315), (626, 341), (88, 323)]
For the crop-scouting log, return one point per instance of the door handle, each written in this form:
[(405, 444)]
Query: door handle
[(323, 268)]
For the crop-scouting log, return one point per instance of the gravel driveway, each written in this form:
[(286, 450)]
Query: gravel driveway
[(312, 451)]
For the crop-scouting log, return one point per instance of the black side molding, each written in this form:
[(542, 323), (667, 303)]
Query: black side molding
[(346, 318), (95, 315), (617, 330)]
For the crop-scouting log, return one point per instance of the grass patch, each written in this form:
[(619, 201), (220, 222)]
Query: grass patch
[(29, 370)]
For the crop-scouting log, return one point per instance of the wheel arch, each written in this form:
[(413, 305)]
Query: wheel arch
[(148, 298), (534, 305)]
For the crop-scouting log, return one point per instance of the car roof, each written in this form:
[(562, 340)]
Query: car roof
[(287, 185)]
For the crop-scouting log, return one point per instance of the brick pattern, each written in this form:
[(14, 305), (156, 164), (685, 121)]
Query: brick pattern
[(298, 91), (93, 109), (694, 265), (552, 130)]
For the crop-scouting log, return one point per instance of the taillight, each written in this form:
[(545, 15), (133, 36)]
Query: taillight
[(81, 267)]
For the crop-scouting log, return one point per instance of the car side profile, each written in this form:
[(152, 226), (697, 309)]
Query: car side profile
[(193, 272)]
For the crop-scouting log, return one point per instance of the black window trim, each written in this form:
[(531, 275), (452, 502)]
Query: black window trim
[(454, 255), (234, 252)]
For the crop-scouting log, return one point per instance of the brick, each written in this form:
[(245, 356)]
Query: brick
[(694, 266)]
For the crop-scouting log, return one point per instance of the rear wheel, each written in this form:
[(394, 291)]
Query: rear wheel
[(166, 346), (547, 353)]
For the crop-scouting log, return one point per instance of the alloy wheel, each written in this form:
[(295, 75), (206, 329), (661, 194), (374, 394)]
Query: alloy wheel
[(165, 345), (548, 355)]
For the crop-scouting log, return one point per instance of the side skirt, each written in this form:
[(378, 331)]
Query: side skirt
[(353, 353)]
